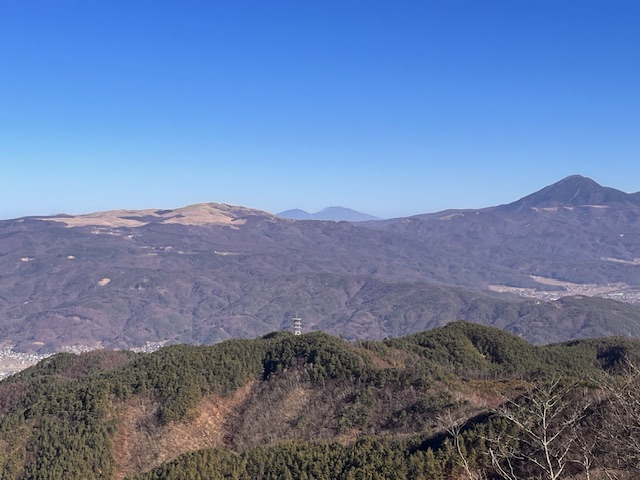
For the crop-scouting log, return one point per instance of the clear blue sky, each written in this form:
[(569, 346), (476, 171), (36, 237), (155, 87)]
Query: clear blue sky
[(392, 108)]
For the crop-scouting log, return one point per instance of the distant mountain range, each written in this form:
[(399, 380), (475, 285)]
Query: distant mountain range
[(210, 272), (336, 214)]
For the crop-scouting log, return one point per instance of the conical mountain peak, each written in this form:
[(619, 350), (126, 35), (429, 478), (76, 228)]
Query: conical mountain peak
[(574, 191)]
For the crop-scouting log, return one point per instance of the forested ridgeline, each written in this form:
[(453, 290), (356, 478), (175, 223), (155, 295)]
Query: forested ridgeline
[(462, 401)]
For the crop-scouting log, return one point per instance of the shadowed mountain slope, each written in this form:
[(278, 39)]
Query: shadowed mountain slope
[(573, 231)]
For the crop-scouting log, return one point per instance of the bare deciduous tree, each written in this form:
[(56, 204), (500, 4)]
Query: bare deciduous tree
[(543, 438), (453, 427), (617, 424)]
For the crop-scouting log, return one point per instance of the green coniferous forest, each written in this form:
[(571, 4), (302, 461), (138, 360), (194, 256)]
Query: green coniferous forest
[(463, 401)]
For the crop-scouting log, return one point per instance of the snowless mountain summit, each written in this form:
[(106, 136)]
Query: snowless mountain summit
[(575, 191)]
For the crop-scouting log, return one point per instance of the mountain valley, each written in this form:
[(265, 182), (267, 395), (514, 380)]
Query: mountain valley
[(210, 272), (542, 351)]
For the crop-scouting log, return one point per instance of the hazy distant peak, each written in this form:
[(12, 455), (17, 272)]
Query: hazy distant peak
[(574, 190), (335, 214), (296, 214), (342, 213), (334, 209)]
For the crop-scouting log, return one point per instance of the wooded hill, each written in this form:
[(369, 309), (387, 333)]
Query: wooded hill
[(461, 401)]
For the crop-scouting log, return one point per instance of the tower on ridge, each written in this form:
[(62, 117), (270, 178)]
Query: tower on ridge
[(297, 325)]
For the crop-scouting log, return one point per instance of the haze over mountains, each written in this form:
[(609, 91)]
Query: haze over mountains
[(209, 272), (336, 214)]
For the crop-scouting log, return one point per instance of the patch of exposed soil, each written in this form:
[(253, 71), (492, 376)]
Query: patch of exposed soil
[(381, 362), (140, 444)]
